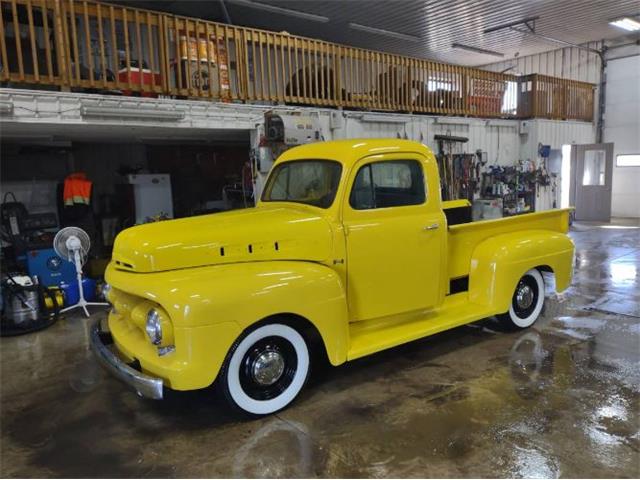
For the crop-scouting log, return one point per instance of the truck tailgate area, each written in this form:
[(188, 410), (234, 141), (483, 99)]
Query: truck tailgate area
[(463, 238)]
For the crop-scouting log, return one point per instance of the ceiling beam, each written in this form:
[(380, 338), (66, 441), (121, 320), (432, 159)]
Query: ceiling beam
[(530, 24)]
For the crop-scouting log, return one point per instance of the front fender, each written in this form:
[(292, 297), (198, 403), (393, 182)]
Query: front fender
[(499, 262), (245, 293)]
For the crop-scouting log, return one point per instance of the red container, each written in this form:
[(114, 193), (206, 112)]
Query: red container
[(136, 73)]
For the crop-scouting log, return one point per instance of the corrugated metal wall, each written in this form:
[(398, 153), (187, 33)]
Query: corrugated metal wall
[(555, 133), (499, 138), (569, 62)]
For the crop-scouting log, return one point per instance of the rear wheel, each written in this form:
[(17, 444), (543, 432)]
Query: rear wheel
[(265, 369), (527, 301)]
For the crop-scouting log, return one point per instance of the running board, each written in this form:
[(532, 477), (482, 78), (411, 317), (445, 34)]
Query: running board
[(372, 336)]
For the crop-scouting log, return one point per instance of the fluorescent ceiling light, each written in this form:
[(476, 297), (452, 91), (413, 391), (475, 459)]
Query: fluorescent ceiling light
[(380, 31), (470, 48), (626, 23), (137, 113), (283, 11), (451, 121), (373, 118), (6, 108)]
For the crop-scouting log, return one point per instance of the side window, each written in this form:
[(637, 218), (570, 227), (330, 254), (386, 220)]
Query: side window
[(388, 184)]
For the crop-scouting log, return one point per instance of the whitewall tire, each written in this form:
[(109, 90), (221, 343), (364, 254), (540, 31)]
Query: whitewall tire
[(527, 301), (265, 369)]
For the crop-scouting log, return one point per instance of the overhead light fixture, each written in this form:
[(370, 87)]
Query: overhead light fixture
[(283, 11), (380, 118), (6, 108), (470, 48), (626, 23), (451, 121), (387, 33), (136, 113)]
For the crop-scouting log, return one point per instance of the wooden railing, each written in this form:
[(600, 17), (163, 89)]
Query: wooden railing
[(549, 97), (88, 46)]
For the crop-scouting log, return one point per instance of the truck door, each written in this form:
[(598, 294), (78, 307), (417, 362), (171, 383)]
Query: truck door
[(394, 234)]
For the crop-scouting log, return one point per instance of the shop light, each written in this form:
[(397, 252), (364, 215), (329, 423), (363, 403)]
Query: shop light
[(382, 118), (136, 113), (387, 33), (626, 23), (473, 49), (283, 11), (6, 108)]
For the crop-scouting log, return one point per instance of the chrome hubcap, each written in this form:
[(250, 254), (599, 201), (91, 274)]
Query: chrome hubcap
[(524, 296), (268, 367)]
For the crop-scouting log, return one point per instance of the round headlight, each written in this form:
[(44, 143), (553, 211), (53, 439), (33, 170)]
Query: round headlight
[(154, 327), (106, 288)]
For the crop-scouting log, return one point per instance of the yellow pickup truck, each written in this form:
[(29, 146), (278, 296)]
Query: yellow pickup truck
[(349, 251)]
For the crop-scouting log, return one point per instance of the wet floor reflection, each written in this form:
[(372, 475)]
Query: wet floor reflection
[(289, 452)]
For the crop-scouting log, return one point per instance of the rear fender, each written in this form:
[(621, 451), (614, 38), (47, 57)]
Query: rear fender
[(498, 263)]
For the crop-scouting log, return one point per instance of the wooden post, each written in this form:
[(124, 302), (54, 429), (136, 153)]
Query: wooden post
[(60, 44), (47, 42)]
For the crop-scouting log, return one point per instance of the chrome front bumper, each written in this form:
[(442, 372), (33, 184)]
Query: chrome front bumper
[(145, 385)]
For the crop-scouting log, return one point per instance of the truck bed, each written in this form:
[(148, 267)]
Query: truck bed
[(463, 238)]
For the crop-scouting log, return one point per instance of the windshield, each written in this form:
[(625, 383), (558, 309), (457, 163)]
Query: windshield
[(313, 182)]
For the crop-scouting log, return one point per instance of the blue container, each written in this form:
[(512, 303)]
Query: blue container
[(50, 269), (72, 295)]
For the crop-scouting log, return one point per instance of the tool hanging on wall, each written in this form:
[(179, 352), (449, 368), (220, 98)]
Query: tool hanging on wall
[(543, 178), (456, 168)]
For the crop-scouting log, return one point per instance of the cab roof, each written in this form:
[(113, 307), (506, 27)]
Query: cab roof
[(350, 151)]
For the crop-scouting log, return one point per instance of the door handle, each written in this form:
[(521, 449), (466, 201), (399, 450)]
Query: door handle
[(433, 226)]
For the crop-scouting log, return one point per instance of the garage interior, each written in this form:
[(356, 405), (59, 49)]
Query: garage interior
[(116, 114)]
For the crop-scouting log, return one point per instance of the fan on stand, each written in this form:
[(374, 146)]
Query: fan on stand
[(72, 244)]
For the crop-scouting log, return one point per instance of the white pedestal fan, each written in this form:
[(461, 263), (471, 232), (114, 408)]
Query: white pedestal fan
[(72, 244)]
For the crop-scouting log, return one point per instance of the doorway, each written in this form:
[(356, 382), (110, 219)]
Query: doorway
[(590, 181)]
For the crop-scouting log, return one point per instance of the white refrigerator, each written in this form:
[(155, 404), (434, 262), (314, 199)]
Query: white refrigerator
[(152, 196)]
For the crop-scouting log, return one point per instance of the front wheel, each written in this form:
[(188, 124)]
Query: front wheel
[(265, 369), (527, 301)]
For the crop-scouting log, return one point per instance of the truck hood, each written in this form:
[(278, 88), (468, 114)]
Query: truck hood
[(254, 234)]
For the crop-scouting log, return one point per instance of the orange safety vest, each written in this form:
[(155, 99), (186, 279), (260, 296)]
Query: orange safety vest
[(77, 189)]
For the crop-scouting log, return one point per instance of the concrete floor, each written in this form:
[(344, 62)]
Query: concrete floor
[(561, 399)]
